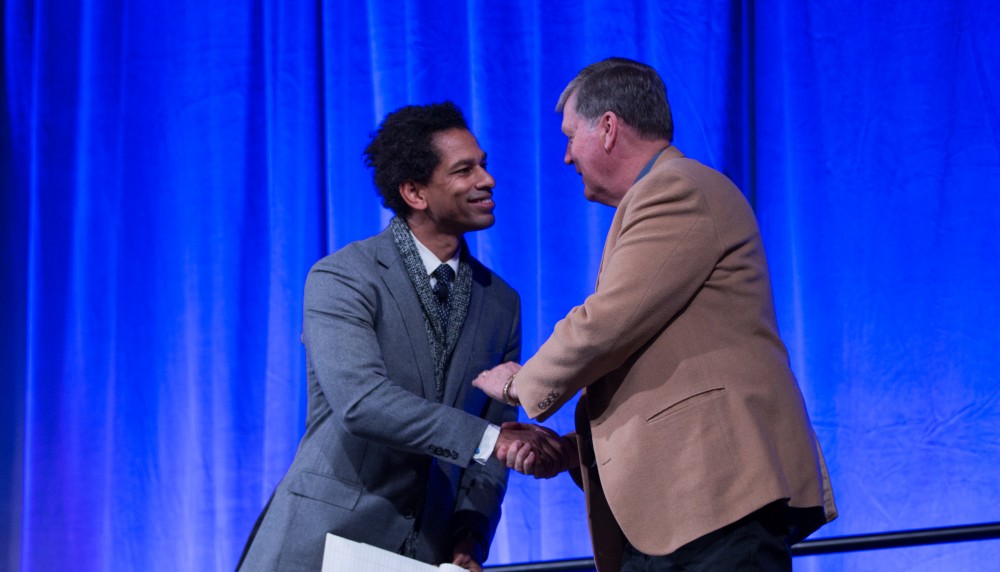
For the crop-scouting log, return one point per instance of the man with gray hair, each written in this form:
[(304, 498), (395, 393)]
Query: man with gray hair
[(696, 452)]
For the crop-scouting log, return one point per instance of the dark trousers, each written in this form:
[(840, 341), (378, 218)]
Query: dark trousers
[(755, 543)]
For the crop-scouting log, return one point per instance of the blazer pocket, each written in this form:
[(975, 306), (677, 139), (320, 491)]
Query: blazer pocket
[(325, 488), (685, 403)]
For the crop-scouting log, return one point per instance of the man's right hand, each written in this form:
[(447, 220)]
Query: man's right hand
[(535, 450)]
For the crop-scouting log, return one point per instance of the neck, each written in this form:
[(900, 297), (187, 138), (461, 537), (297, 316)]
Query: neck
[(635, 154), (643, 153), (443, 245)]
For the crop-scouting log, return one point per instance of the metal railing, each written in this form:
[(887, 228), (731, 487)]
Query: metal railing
[(835, 544)]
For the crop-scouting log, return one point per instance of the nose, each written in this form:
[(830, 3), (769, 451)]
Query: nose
[(486, 181), (568, 159)]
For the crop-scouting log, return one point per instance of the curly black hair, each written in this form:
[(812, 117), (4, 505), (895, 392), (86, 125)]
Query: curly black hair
[(402, 149)]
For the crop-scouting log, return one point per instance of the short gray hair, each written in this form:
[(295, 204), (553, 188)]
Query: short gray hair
[(631, 90)]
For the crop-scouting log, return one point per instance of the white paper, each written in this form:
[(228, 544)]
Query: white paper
[(343, 555)]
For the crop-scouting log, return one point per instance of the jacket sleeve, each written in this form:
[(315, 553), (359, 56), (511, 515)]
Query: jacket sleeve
[(341, 307), (663, 251)]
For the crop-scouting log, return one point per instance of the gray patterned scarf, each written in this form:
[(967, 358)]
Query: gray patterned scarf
[(442, 339)]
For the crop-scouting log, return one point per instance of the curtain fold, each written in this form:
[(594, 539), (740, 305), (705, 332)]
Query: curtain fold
[(170, 173)]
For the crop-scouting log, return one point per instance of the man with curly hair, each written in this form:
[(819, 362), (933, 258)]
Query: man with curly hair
[(399, 448)]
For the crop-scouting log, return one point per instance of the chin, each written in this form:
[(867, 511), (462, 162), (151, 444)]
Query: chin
[(482, 223), (601, 197)]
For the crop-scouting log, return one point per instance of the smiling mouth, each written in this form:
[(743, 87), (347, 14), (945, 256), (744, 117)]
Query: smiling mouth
[(482, 200)]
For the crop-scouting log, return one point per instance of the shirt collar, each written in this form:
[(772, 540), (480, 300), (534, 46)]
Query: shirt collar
[(649, 165), (430, 261)]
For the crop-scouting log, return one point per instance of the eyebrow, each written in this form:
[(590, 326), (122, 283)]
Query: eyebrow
[(467, 162)]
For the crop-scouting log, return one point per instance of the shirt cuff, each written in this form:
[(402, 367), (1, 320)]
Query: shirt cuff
[(486, 445)]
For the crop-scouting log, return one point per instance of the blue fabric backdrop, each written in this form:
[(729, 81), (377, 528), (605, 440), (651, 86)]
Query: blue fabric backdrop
[(171, 170)]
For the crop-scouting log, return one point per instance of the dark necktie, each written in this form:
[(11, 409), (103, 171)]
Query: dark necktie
[(444, 275)]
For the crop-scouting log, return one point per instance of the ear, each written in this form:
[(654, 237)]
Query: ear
[(608, 124), (413, 195)]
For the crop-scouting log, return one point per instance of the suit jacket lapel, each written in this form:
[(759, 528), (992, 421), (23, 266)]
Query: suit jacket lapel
[(399, 286)]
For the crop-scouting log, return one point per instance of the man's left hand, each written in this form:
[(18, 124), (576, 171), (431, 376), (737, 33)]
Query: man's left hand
[(492, 381), (467, 554)]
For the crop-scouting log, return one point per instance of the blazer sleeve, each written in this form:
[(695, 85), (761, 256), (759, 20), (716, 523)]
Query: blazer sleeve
[(341, 309), (664, 250)]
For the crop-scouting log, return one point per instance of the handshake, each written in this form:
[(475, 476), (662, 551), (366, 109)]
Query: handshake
[(528, 449), (535, 450)]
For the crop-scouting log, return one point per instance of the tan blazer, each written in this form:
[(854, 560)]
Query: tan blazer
[(696, 417)]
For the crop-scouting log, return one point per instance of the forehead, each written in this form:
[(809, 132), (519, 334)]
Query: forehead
[(570, 118), (455, 145)]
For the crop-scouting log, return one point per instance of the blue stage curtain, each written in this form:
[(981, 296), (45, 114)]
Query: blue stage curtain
[(171, 171)]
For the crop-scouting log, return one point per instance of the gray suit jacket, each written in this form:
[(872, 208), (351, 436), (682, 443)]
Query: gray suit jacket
[(379, 453)]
